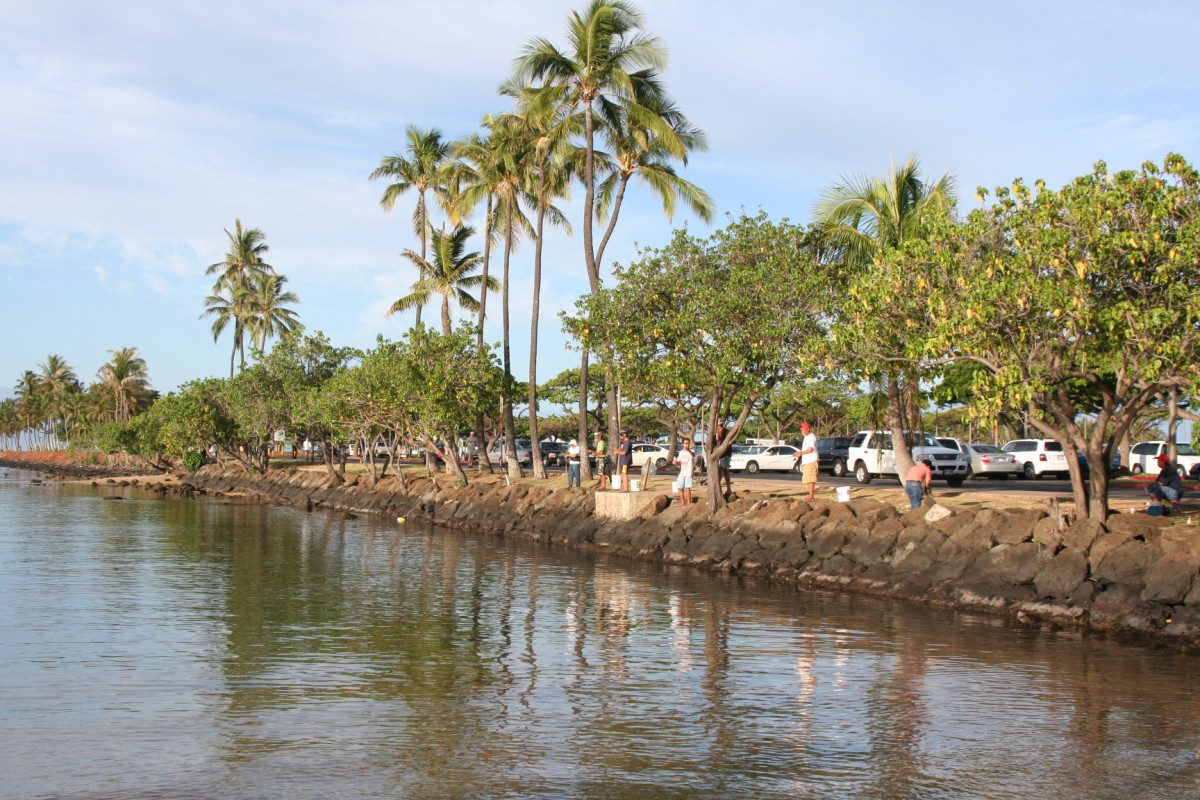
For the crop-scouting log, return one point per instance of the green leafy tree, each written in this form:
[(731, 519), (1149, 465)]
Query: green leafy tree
[(1082, 298), (728, 317)]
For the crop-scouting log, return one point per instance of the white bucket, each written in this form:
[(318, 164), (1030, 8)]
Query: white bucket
[(843, 494), (635, 485)]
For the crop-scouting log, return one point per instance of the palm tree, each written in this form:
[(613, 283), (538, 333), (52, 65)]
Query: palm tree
[(501, 178), (268, 314), (244, 259), (241, 269), (231, 306), (450, 274), (420, 171), (28, 392), (609, 71), (863, 218), (548, 177), (57, 383), (125, 380), (638, 150)]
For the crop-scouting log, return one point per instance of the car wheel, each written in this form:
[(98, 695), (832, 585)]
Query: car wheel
[(861, 474), (797, 467), (752, 467), (970, 472), (1028, 472), (662, 462), (958, 481), (839, 469), (1136, 469)]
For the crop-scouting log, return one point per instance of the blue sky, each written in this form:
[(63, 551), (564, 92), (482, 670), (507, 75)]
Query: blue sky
[(133, 134)]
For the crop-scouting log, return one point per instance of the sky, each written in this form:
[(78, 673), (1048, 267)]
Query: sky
[(132, 135)]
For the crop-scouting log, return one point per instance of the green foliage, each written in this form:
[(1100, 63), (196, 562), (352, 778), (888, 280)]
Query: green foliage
[(194, 460)]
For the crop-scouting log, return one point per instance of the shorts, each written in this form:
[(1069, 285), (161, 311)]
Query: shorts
[(810, 471), (605, 467), (684, 481)]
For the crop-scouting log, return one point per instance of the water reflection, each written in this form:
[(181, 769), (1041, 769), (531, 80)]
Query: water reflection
[(194, 649)]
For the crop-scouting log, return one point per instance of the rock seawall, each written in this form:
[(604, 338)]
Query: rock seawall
[(1136, 575)]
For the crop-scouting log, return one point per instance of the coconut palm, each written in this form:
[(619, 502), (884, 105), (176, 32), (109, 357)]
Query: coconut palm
[(28, 393), (124, 382), (638, 150), (450, 273), (268, 315), (548, 132), (421, 170), (247, 247), (496, 171), (242, 268), (230, 305), (864, 217), (606, 69), (608, 72)]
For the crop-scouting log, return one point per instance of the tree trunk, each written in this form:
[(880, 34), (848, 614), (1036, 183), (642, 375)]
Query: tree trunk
[(539, 469)]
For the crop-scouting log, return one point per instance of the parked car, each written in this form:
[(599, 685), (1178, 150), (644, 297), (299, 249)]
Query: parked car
[(643, 452), (989, 461), (498, 454), (777, 457), (554, 454), (1039, 457), (832, 451), (872, 454), (1143, 455)]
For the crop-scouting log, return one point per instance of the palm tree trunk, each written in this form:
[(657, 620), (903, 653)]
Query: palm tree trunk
[(539, 469), (506, 410)]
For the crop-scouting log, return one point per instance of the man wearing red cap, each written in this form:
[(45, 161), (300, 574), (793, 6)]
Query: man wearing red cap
[(1168, 485)]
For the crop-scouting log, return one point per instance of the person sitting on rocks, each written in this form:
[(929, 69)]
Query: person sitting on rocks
[(1168, 486)]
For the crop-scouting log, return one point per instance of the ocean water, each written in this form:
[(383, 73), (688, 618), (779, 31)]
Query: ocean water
[(156, 648)]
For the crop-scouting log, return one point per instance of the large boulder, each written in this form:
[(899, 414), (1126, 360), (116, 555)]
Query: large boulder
[(1062, 574), (1169, 580)]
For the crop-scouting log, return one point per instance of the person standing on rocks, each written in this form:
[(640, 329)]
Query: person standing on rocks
[(810, 461), (916, 483), (687, 463), (600, 449), (573, 479), (624, 459)]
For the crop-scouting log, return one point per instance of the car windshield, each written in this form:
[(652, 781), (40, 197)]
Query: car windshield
[(1186, 450), (1053, 447), (986, 448), (922, 440)]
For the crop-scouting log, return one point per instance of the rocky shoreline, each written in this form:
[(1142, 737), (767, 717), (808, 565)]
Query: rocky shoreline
[(1136, 576)]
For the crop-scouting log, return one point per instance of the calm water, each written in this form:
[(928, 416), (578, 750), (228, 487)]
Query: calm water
[(179, 649)]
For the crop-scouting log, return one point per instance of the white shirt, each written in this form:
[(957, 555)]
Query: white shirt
[(810, 444)]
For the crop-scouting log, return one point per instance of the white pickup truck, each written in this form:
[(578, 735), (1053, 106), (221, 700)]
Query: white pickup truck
[(871, 455), (1143, 454)]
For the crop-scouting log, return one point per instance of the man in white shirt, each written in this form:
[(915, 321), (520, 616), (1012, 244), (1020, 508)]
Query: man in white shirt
[(810, 461)]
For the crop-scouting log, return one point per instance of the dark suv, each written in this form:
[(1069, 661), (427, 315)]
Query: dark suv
[(832, 451)]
